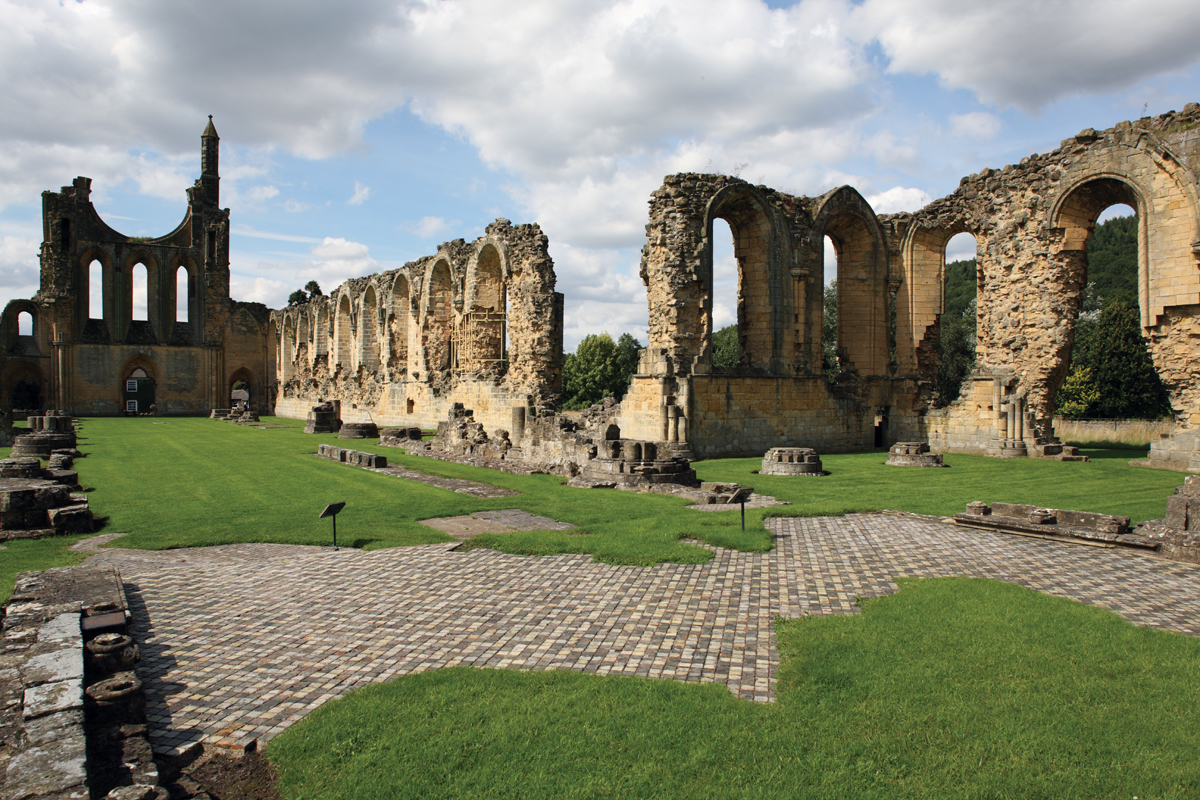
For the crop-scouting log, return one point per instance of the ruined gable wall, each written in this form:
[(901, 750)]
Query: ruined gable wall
[(401, 347), (1031, 222)]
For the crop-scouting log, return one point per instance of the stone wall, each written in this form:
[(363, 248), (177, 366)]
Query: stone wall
[(476, 324), (1031, 222), (80, 362)]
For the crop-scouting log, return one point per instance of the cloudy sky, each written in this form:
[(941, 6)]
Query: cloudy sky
[(359, 135)]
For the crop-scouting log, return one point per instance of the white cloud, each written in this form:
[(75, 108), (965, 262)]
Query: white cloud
[(899, 198), (261, 193), (1027, 53), (330, 262), (978, 126), (361, 193), (19, 277), (428, 227)]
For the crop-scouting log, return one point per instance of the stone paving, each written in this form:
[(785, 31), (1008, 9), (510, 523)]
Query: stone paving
[(240, 641)]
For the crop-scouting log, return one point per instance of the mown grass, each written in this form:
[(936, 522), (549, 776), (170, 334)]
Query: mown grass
[(952, 688), (184, 482)]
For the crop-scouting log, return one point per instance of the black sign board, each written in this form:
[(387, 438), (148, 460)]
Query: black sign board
[(332, 510)]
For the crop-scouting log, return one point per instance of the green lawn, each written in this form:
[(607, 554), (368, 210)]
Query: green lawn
[(181, 482), (953, 688)]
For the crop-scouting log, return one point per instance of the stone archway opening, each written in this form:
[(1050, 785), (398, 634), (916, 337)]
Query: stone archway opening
[(242, 390), (958, 321), (739, 217), (1105, 368), (860, 320), (138, 393)]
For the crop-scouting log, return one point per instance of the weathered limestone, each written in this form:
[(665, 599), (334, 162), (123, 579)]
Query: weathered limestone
[(36, 502), (802, 461), (477, 324), (353, 457), (913, 454), (359, 430), (112, 364), (1055, 523), (323, 418)]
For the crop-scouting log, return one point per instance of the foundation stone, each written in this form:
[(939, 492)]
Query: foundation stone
[(913, 454), (792, 461)]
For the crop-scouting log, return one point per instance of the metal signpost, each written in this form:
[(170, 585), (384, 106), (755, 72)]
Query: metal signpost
[(332, 510), (740, 496)]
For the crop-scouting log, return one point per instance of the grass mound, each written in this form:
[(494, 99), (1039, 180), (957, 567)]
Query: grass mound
[(955, 688)]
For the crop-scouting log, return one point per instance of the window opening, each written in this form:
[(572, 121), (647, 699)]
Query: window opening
[(25, 324), (182, 293), (726, 347), (141, 292), (96, 290)]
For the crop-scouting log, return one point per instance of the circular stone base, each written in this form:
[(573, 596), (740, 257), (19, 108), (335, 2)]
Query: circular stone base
[(913, 454), (40, 443), (792, 461), (359, 430)]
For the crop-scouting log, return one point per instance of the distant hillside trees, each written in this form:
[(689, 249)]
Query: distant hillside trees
[(599, 368)]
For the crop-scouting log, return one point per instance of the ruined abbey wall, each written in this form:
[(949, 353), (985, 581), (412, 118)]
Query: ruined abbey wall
[(1031, 222), (478, 324), (83, 351)]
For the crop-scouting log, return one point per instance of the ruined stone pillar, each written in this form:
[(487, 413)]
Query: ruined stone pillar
[(672, 423), (1019, 407), (799, 299), (518, 423)]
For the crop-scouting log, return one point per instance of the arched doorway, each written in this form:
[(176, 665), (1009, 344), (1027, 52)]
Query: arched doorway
[(242, 389), (137, 393)]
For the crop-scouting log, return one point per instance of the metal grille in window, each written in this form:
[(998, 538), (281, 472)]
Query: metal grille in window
[(131, 406), (131, 386)]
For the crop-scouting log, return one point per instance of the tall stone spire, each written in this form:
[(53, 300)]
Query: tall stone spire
[(210, 151)]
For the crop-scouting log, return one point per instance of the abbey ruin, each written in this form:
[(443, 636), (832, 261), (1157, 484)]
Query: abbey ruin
[(479, 325)]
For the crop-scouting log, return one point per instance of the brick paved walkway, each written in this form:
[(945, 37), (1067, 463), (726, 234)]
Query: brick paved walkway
[(240, 641)]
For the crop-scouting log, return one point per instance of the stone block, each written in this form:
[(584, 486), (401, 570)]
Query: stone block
[(49, 698), (53, 667), (71, 519), (63, 629), (57, 768), (52, 727)]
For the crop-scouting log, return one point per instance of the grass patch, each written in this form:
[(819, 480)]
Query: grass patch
[(953, 688), (862, 482), (186, 482)]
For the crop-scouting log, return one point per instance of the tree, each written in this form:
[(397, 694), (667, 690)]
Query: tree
[(313, 288), (725, 348), (297, 297), (1077, 395), (829, 331), (956, 336), (1122, 370), (1112, 252), (629, 351), (599, 368)]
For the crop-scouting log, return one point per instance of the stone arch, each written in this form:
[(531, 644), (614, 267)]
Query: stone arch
[(760, 245), (321, 335), (398, 328), (191, 302), (484, 327), (303, 345), (244, 373), (83, 281), (273, 365), (437, 332), (343, 334), (140, 331), (920, 298), (287, 348), (23, 386), (14, 342), (862, 276), (368, 334), (144, 391)]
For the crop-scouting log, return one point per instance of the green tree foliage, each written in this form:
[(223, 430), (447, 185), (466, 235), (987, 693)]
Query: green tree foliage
[(1112, 260), (956, 340), (297, 297), (313, 288), (829, 332), (599, 368), (1078, 394), (725, 349), (1123, 382)]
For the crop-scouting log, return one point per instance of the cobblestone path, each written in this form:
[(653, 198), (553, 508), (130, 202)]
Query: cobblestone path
[(240, 641)]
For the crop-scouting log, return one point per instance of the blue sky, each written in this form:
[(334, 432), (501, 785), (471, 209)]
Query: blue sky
[(358, 136)]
